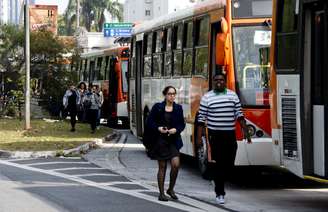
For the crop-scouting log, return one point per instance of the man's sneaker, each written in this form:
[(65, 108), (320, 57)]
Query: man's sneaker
[(220, 199)]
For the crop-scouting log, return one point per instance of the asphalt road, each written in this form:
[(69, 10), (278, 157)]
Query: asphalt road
[(75, 185), (252, 189), (120, 177)]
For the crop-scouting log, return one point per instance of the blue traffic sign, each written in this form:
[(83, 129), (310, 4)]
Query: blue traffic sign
[(117, 29)]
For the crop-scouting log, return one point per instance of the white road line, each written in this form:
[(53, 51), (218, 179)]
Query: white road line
[(58, 162), (95, 174), (120, 182), (187, 200), (79, 168), (32, 159)]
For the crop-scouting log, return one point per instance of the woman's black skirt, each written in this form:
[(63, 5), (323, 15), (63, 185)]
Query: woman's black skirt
[(163, 148)]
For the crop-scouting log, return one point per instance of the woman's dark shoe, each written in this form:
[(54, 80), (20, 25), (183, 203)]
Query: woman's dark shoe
[(172, 194), (162, 197)]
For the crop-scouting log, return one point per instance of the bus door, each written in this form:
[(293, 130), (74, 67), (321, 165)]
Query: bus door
[(317, 19), (112, 93), (139, 67)]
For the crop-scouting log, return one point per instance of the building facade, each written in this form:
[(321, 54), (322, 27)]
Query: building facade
[(12, 11), (141, 10)]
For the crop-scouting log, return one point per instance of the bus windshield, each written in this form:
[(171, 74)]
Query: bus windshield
[(251, 53)]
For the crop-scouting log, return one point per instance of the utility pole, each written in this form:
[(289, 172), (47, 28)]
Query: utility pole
[(77, 14), (27, 63)]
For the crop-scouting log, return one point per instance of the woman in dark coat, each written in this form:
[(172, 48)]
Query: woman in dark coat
[(165, 123)]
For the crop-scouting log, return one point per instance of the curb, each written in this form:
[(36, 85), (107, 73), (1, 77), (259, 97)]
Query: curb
[(82, 149)]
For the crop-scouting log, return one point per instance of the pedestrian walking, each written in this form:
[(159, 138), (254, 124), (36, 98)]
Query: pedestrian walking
[(71, 100), (165, 123), (92, 104), (220, 108), (81, 113), (101, 99)]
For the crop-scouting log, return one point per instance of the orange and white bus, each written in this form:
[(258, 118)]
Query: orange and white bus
[(108, 68), (299, 59), (184, 48)]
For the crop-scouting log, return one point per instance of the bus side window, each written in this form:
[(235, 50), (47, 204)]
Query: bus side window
[(158, 56), (201, 49), (87, 70), (188, 49), (168, 53), (106, 68), (147, 57), (177, 53), (102, 69)]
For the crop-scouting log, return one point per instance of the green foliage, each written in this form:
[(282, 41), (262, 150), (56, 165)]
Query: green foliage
[(49, 72), (91, 11)]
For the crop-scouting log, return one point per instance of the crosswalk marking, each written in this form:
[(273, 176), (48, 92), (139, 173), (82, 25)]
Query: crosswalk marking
[(58, 162), (185, 203), (94, 174), (80, 168)]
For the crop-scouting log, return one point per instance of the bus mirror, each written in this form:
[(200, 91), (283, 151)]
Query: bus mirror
[(224, 26), (222, 44), (220, 49)]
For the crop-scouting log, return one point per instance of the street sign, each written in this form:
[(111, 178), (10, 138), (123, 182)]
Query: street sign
[(117, 29)]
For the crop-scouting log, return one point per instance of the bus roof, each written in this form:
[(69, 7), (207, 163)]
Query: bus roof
[(115, 50), (92, 54), (197, 9)]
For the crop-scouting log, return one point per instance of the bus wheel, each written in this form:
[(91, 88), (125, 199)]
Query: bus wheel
[(201, 157)]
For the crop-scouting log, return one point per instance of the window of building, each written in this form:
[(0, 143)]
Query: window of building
[(147, 12)]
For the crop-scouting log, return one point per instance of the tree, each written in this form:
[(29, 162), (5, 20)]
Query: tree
[(92, 12), (11, 56), (50, 71)]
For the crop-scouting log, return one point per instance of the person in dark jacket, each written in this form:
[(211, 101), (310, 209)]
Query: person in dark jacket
[(92, 109), (70, 101), (81, 113), (165, 123)]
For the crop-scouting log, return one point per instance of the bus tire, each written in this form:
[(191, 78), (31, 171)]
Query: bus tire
[(201, 156)]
